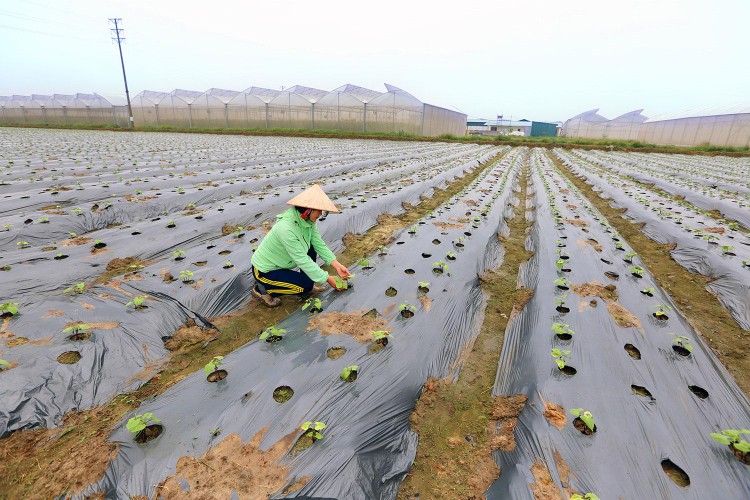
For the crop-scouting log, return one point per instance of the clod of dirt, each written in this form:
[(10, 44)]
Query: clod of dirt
[(426, 302), (505, 411), (543, 487), (576, 222), (675, 473), (555, 415), (357, 324), (188, 335), (230, 466), (73, 242), (623, 317), (123, 264), (335, 352)]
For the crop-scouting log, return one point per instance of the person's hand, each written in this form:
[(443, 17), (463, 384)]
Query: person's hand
[(341, 270), (332, 281)]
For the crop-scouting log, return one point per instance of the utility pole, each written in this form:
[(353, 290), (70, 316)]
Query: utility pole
[(116, 30)]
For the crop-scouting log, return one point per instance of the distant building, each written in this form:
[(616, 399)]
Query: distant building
[(480, 126)]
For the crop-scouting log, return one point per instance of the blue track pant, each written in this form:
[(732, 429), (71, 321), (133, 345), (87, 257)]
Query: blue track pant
[(284, 281)]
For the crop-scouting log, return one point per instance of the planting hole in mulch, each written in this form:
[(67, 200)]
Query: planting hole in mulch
[(406, 313), (568, 370), (391, 292), (607, 261), (225, 252), (698, 391), (426, 255), (400, 242), (352, 376), (680, 350), (633, 351), (675, 473), (150, 433), (409, 271), (69, 357), (436, 241), (101, 244), (562, 287), (582, 427), (423, 289), (647, 293), (555, 415), (563, 310), (660, 317), (742, 456), (437, 270), (61, 257), (81, 335), (335, 352), (641, 391), (467, 233), (217, 375), (611, 275), (283, 394)]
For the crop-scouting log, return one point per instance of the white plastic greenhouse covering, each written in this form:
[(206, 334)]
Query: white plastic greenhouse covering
[(727, 126), (349, 107)]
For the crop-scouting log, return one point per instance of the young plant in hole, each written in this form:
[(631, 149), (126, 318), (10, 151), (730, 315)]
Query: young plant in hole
[(75, 289), (407, 310), (382, 250), (272, 334), (648, 291), (213, 365), (349, 373), (139, 422), (8, 309), (72, 234), (661, 310), (560, 302), (4, 365), (423, 286), (381, 337), (731, 437), (23, 244), (585, 416), (440, 267), (7, 226), (560, 243), (629, 257), (563, 331), (137, 302), (238, 232), (171, 223), (681, 344), (711, 238), (727, 249), (186, 275), (619, 245), (228, 264), (562, 283), (562, 254), (43, 220), (560, 264), (342, 284), (312, 430), (413, 230), (99, 244), (459, 242), (76, 329), (314, 304), (561, 357), (364, 263), (637, 271), (451, 256)]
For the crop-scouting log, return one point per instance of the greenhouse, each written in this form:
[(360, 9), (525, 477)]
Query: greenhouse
[(724, 126), (349, 107)]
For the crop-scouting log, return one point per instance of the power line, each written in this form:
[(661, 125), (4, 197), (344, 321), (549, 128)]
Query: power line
[(116, 30)]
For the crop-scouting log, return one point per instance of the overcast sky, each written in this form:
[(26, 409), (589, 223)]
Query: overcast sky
[(541, 60)]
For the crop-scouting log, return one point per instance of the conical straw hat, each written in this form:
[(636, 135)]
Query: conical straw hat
[(313, 197)]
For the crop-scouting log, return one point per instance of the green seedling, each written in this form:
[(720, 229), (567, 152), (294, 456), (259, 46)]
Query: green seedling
[(562, 329), (213, 365), (139, 422), (629, 256), (746, 263), (560, 263), (137, 302), (587, 496), (561, 282), (180, 190), (560, 300), (77, 288), (725, 249), (72, 234), (459, 242), (682, 341), (9, 308), (637, 271), (382, 250), (732, 438), (424, 286), (23, 244), (76, 329), (4, 365), (228, 264), (561, 357), (43, 220), (191, 206), (661, 309), (272, 334), (440, 266), (585, 416), (186, 275), (7, 226), (312, 430), (178, 254), (413, 230), (451, 256), (619, 245), (350, 372), (407, 310), (6, 267), (648, 291), (363, 262), (171, 223), (733, 226), (238, 232), (341, 284), (314, 304)]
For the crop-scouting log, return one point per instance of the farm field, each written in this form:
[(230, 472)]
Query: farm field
[(508, 327)]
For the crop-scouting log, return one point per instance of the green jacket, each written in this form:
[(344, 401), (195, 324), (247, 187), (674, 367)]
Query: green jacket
[(287, 244)]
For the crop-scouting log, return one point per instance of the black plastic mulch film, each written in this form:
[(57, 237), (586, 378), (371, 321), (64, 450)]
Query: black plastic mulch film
[(125, 342), (690, 397)]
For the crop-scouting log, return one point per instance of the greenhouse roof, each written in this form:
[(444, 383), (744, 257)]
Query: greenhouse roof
[(711, 111)]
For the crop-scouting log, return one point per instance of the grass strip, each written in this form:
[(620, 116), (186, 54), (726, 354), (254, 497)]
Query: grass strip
[(454, 458), (701, 308), (46, 462)]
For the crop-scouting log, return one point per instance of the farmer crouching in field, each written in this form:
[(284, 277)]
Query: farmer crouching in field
[(294, 242)]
